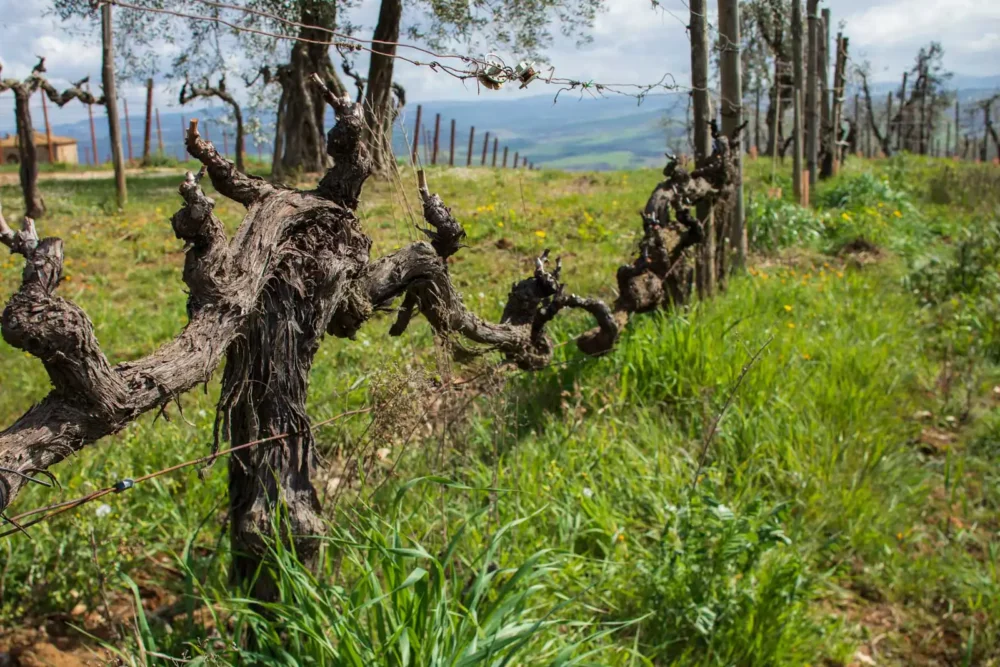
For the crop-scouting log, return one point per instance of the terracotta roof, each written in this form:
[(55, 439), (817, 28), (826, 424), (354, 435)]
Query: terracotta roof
[(40, 140)]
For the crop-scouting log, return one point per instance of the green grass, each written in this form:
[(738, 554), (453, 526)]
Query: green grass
[(572, 521)]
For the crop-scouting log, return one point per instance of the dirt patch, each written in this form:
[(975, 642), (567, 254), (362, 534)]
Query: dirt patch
[(934, 441), (13, 179), (36, 648), (860, 252)]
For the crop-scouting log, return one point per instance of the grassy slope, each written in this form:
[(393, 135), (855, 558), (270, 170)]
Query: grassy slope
[(887, 546)]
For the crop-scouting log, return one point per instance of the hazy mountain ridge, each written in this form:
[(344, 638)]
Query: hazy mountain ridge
[(574, 132)]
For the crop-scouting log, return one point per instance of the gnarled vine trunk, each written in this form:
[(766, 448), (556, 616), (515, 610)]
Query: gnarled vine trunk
[(299, 267), (27, 154)]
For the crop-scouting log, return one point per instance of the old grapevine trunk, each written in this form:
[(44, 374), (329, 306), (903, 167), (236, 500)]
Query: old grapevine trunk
[(27, 154), (297, 268)]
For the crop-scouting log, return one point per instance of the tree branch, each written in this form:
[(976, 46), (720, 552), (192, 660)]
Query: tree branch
[(74, 92), (223, 173), (659, 276), (352, 163), (883, 141)]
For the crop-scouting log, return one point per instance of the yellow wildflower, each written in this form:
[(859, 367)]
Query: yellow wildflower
[(846, 216), (788, 308), (540, 234), (621, 537), (807, 356), (791, 325), (897, 214), (500, 224)]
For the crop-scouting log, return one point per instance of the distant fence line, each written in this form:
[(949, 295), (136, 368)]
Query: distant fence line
[(431, 144), (424, 139)]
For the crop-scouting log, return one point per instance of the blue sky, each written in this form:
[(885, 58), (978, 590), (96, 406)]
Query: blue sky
[(632, 43)]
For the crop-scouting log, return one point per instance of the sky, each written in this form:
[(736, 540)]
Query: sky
[(632, 42)]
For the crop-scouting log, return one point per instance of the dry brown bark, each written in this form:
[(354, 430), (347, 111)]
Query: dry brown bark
[(297, 268)]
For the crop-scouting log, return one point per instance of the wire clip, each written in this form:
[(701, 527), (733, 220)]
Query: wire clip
[(124, 485)]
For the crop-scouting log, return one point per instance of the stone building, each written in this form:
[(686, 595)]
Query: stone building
[(63, 149)]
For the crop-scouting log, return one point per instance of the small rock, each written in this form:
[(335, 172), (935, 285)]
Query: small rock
[(864, 658), (332, 485)]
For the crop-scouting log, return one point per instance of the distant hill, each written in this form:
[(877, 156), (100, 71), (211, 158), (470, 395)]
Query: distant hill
[(583, 133), (588, 133)]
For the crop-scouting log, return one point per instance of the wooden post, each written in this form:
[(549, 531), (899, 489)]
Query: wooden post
[(486, 143), (515, 160), (858, 130), (812, 98), (416, 136), (756, 120), (524, 162), (496, 143), (922, 134), (111, 103), (802, 183), (947, 137), (698, 27), (888, 118), (451, 152), (427, 143), (957, 126), (147, 140), (472, 137), (774, 129), (437, 134), (504, 157), (48, 129), (824, 77), (159, 133), (984, 149), (839, 81), (93, 134), (868, 140), (798, 144), (902, 116), (128, 130), (732, 117)]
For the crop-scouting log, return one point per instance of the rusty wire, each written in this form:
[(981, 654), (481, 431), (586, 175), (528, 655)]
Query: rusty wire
[(55, 509), (484, 70)]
